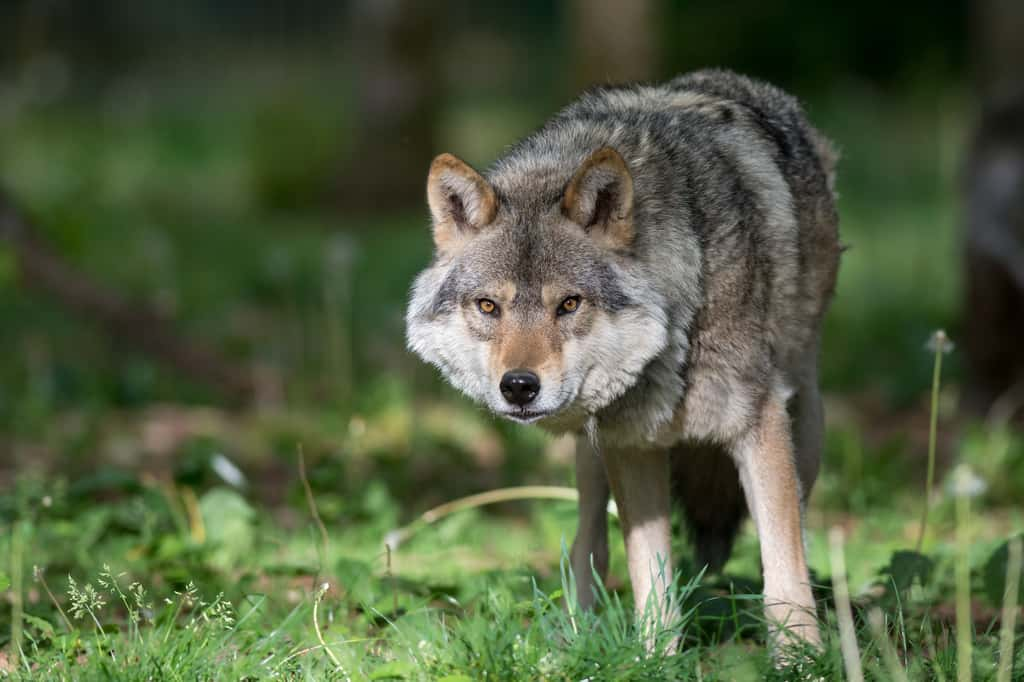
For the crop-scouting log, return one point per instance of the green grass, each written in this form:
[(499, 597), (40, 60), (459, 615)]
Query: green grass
[(192, 199), (230, 591)]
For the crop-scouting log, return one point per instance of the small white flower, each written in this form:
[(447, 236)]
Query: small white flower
[(965, 483), (939, 342)]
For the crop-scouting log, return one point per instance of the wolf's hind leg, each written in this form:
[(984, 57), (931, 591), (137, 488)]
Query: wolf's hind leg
[(808, 427), (707, 487), (770, 481), (591, 543)]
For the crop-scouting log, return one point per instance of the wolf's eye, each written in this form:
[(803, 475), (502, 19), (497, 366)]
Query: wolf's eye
[(487, 306), (569, 305)]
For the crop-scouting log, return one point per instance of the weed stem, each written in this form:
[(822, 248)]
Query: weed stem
[(939, 340), (316, 626), (964, 621)]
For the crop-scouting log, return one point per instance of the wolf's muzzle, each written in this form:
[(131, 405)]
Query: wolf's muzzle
[(520, 386)]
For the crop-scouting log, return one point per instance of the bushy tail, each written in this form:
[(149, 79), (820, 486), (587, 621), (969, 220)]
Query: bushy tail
[(828, 155), (706, 485)]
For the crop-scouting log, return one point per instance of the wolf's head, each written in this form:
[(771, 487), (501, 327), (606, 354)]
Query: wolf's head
[(535, 304)]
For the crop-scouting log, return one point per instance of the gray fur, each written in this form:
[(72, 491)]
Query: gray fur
[(714, 307)]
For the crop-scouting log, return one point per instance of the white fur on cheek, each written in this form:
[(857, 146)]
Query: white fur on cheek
[(615, 353), (446, 343), (443, 340)]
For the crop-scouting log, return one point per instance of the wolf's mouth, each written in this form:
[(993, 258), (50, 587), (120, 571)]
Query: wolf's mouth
[(525, 416)]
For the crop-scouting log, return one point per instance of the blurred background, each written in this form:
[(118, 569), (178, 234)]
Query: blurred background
[(212, 213)]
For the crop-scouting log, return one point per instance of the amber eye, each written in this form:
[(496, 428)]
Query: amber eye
[(487, 306), (569, 305)]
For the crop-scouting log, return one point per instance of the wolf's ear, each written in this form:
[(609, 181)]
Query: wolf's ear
[(461, 201), (599, 198)]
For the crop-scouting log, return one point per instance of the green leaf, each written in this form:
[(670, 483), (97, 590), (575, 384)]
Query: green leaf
[(906, 565), (455, 678), (392, 670), (994, 574), (229, 527), (43, 626), (5, 582)]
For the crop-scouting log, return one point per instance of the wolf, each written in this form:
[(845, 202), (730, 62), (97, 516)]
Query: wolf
[(648, 271)]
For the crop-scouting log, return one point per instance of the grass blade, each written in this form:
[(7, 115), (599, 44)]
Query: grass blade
[(1009, 612), (841, 591), (17, 594), (892, 662)]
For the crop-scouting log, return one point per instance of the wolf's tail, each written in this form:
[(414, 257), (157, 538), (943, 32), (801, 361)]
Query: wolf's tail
[(828, 156), (706, 484)]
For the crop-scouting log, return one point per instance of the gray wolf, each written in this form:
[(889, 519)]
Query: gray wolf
[(649, 271)]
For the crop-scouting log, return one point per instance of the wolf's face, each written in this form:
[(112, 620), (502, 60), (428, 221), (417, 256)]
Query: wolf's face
[(531, 306)]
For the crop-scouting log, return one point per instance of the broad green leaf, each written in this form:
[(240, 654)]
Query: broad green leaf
[(995, 575), (228, 519), (906, 565), (393, 670)]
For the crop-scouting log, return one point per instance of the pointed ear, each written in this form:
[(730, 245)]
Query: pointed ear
[(461, 202), (599, 198)]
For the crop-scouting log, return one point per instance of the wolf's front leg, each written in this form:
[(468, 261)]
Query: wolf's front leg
[(769, 477), (640, 483), (591, 543)]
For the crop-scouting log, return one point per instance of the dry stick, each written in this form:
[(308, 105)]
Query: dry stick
[(1013, 566), (391, 579), (526, 492), (39, 574), (939, 340), (311, 649), (318, 597), (314, 512), (892, 662), (841, 592), (42, 268)]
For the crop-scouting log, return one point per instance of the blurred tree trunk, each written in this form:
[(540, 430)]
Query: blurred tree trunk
[(998, 49), (614, 41), (396, 68), (994, 188)]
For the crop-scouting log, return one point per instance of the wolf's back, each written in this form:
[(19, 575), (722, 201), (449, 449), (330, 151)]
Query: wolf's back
[(778, 112)]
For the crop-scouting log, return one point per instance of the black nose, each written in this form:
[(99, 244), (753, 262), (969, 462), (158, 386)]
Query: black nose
[(520, 386)]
